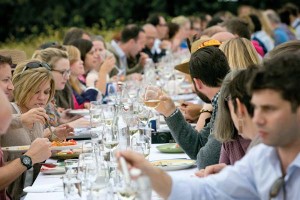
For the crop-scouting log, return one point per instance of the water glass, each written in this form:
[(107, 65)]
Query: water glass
[(95, 114), (71, 166), (72, 187)]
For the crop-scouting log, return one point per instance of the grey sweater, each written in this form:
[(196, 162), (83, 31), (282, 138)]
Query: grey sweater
[(201, 146)]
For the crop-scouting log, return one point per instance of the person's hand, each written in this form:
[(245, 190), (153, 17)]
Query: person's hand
[(39, 150), (66, 117), (166, 106), (63, 131), (165, 44), (212, 169), (135, 160), (190, 111), (143, 58), (34, 115), (108, 65)]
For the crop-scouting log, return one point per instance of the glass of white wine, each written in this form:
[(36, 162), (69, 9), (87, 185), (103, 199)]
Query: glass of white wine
[(110, 141), (108, 114), (152, 96)]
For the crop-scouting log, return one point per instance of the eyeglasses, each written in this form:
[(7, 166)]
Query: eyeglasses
[(209, 43), (32, 65), (64, 73), (276, 186)]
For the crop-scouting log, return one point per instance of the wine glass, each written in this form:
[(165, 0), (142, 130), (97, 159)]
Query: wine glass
[(110, 141), (143, 140), (152, 96), (108, 114)]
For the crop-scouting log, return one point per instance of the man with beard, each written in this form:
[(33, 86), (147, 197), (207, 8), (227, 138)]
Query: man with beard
[(208, 66)]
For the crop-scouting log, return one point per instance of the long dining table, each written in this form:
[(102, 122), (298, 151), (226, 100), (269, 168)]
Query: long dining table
[(51, 180)]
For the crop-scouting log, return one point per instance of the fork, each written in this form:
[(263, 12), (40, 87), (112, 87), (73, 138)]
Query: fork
[(52, 133)]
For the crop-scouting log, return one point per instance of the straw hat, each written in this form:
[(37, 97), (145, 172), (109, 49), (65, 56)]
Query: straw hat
[(198, 44), (16, 56)]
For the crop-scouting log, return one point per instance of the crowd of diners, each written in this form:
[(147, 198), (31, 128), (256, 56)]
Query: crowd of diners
[(244, 68)]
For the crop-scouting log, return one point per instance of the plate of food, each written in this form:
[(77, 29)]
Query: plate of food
[(79, 112), (67, 154), (55, 146), (174, 164), (169, 148), (52, 170), (23, 148), (64, 145)]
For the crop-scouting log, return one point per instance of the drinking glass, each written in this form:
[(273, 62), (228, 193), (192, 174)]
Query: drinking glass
[(72, 187), (141, 142), (71, 166), (126, 190), (152, 95), (108, 114), (87, 147), (110, 141), (95, 114)]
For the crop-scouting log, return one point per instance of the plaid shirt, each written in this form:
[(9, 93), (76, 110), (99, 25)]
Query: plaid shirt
[(214, 103)]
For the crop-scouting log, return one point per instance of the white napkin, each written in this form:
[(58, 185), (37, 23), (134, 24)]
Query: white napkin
[(57, 187)]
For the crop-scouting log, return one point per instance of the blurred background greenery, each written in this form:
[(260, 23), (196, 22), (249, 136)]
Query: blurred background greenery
[(25, 24)]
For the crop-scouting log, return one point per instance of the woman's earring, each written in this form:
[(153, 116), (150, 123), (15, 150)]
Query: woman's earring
[(241, 125)]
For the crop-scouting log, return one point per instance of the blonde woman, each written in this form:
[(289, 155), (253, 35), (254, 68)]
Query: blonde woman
[(240, 53), (59, 63), (34, 87)]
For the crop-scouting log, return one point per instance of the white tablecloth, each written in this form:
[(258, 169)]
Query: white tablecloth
[(52, 179)]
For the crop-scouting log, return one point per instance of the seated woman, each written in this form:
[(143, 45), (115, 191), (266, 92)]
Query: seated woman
[(81, 94), (59, 64), (33, 89), (98, 77), (233, 121)]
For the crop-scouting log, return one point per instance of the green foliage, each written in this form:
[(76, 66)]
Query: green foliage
[(28, 23)]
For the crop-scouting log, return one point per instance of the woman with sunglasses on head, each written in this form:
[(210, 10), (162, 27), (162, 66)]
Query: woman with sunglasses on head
[(33, 88), (59, 64)]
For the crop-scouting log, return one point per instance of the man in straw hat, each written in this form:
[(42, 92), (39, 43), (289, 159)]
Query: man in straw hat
[(208, 66)]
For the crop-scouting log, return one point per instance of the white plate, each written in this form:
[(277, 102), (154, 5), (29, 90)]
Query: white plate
[(55, 170), (184, 97), (174, 164), (163, 128), (79, 112), (16, 148), (26, 147), (58, 148)]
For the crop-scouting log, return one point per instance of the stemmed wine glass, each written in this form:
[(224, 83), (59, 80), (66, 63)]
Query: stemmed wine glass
[(152, 96), (111, 140)]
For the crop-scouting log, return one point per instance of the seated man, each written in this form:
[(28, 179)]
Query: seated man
[(38, 151), (208, 66), (269, 170)]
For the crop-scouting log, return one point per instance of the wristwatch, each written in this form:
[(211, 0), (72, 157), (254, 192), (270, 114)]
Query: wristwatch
[(26, 161), (204, 110)]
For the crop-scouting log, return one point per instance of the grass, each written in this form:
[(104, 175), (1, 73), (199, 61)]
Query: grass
[(32, 42)]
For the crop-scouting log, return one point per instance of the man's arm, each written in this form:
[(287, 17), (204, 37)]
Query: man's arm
[(38, 152), (11, 172), (186, 136)]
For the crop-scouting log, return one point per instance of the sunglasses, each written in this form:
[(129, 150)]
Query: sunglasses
[(32, 65), (276, 187)]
